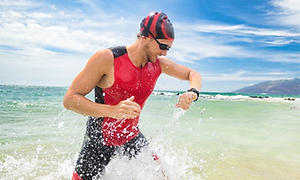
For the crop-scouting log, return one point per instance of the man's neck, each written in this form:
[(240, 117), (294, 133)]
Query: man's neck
[(137, 54)]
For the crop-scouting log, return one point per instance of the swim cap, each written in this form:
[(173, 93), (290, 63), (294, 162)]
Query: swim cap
[(158, 24)]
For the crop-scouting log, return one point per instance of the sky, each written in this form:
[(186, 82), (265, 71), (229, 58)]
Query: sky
[(233, 44)]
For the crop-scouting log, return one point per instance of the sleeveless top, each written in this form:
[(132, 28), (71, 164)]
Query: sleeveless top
[(129, 81)]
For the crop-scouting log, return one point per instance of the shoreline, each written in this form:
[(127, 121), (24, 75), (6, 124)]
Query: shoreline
[(204, 95), (234, 96)]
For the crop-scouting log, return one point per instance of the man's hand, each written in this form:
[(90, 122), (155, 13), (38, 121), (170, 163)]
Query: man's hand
[(127, 109), (186, 99)]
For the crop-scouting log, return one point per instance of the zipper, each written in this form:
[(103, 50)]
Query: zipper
[(141, 72)]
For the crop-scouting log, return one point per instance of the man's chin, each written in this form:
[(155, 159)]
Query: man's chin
[(156, 58)]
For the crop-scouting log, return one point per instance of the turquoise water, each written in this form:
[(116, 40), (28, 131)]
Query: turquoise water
[(222, 136)]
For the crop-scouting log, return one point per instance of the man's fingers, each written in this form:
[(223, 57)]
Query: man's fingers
[(185, 100), (129, 104), (131, 98), (130, 109)]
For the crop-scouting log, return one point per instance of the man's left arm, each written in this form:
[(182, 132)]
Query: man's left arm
[(183, 73)]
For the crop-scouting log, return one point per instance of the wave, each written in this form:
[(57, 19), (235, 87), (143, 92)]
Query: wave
[(234, 96)]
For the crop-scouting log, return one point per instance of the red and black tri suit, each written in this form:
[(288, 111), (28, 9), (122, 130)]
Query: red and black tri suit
[(106, 137)]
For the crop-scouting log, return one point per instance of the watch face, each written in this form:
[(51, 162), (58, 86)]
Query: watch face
[(195, 91)]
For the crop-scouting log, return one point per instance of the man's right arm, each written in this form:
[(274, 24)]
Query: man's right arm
[(100, 65)]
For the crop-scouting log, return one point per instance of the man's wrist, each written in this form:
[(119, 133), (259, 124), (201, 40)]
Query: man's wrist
[(194, 91)]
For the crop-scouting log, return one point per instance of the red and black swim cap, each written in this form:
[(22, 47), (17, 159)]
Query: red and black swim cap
[(159, 25)]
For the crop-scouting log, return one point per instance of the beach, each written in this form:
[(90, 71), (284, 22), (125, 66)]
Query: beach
[(222, 136)]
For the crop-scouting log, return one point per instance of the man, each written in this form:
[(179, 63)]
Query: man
[(123, 79)]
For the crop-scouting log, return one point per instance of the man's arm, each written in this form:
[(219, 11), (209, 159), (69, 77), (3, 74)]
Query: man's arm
[(96, 72), (183, 73)]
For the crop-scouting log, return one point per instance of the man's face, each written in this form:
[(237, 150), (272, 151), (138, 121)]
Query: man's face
[(153, 49)]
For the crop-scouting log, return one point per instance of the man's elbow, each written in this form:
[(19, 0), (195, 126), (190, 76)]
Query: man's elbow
[(67, 101), (194, 74)]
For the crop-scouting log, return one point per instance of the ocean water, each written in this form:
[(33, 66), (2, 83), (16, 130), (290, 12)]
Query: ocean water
[(222, 136)]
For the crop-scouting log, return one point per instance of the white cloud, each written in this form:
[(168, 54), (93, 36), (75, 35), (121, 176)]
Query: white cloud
[(45, 30), (40, 15), (37, 35), (216, 39), (191, 47), (241, 30), (45, 42), (23, 30), (204, 40), (169, 83), (281, 42), (14, 3), (243, 75), (288, 12), (288, 6), (278, 73)]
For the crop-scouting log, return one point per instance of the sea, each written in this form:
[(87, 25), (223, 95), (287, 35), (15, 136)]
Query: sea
[(223, 136)]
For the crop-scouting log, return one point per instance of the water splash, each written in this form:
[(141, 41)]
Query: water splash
[(177, 114), (143, 167), (35, 168), (60, 116), (173, 163)]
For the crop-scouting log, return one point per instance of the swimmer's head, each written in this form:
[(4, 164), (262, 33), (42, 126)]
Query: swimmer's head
[(159, 25)]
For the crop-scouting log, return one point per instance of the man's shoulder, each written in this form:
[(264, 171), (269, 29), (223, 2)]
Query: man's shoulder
[(103, 57), (118, 51), (167, 64), (164, 61)]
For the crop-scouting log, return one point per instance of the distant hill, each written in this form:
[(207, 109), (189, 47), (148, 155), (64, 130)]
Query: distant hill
[(281, 87)]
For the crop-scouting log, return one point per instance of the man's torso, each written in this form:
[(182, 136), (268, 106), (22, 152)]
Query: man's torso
[(129, 81)]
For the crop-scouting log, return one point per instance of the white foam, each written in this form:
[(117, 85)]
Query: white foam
[(172, 165), (263, 97), (35, 168), (143, 167)]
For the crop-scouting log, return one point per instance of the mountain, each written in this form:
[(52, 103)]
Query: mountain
[(281, 87)]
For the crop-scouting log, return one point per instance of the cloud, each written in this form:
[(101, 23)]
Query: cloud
[(287, 57), (241, 30), (39, 35), (243, 75), (14, 3), (45, 43), (203, 39), (206, 39), (280, 42), (205, 26), (191, 47), (44, 30), (288, 12)]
